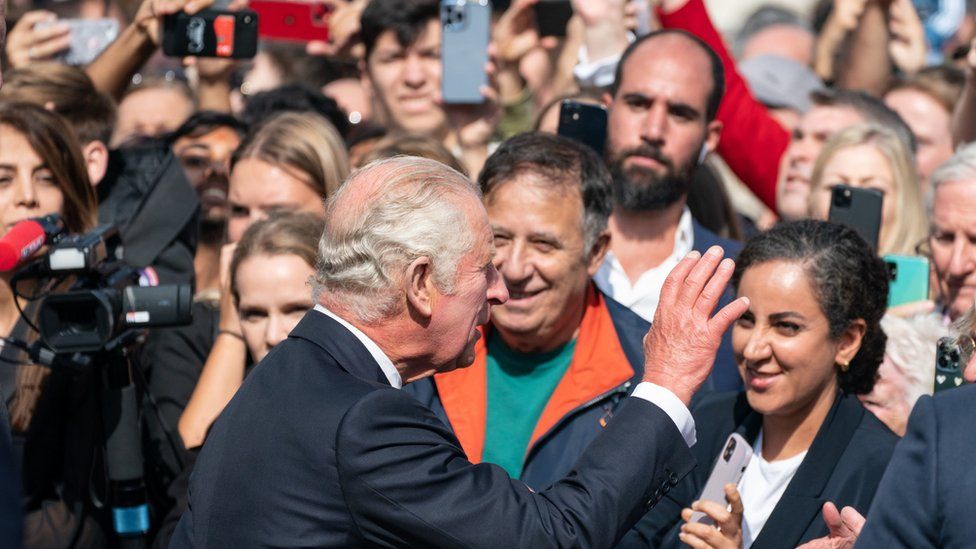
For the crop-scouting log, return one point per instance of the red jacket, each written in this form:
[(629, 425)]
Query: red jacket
[(752, 142)]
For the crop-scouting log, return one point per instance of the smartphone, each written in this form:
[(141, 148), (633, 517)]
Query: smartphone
[(211, 33), (584, 122), (728, 469), (292, 21), (859, 209), (909, 279), (89, 38), (951, 356), (552, 16), (464, 50)]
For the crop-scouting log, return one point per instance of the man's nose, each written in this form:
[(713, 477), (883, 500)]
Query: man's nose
[(963, 259), (654, 124), (513, 263), (414, 71), (497, 291)]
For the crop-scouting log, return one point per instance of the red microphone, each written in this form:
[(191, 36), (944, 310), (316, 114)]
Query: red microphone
[(25, 238)]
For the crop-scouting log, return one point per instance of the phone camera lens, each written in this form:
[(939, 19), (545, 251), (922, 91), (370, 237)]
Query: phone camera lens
[(247, 19)]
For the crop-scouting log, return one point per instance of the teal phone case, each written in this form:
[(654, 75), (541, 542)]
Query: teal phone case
[(909, 279)]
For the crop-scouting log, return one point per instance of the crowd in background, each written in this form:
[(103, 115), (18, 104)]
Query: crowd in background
[(729, 124)]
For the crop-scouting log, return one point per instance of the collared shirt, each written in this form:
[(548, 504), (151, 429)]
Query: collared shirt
[(643, 296), (389, 370), (655, 394)]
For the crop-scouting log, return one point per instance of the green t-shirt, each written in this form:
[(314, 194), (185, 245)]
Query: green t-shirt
[(519, 386)]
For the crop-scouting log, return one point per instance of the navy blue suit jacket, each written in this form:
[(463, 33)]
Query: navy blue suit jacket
[(844, 465), (725, 375), (317, 450), (927, 497)]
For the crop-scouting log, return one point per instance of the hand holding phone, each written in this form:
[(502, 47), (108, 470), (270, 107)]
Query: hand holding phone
[(728, 469), (211, 33)]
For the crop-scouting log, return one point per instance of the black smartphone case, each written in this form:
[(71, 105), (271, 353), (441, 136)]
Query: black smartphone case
[(195, 35), (584, 122), (859, 209), (552, 16)]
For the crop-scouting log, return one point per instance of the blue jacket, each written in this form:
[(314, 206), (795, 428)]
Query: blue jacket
[(928, 493)]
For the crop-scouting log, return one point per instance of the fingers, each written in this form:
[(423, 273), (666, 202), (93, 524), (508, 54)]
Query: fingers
[(46, 49), (713, 291), (852, 520), (911, 309), (718, 512), (672, 284), (724, 319), (699, 276), (735, 503), (831, 518)]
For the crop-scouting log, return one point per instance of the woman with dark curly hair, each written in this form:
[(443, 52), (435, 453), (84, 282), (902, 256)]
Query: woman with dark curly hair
[(809, 343)]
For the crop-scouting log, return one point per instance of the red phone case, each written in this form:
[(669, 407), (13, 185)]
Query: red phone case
[(294, 21)]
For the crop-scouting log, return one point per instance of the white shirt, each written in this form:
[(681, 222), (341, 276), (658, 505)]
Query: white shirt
[(655, 394), (643, 296), (761, 487)]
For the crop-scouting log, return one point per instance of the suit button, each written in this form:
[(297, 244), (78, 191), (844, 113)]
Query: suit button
[(657, 495), (667, 488), (673, 478)]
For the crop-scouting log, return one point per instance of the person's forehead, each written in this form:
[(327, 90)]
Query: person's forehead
[(529, 188), (956, 199), (427, 37), (671, 61), (830, 118)]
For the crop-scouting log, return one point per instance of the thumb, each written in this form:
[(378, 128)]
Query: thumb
[(831, 517)]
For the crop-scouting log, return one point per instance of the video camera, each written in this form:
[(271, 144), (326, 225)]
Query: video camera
[(107, 297)]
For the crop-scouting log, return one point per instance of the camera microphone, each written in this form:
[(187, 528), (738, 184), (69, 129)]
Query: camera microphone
[(25, 238)]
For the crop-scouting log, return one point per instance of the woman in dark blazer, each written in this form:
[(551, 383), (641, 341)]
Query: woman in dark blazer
[(809, 343)]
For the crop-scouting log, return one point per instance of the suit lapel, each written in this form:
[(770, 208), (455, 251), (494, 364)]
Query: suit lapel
[(341, 344), (803, 499)]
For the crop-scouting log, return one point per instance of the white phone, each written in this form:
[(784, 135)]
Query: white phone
[(728, 469)]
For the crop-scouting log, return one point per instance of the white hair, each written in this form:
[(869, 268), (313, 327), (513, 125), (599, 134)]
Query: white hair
[(960, 167), (410, 209), (911, 349)]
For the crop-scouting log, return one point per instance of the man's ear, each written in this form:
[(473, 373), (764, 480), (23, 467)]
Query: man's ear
[(607, 99), (421, 294), (598, 252), (714, 132), (96, 160)]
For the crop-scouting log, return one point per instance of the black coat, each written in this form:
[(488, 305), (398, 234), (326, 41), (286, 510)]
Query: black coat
[(843, 465), (928, 493), (317, 450)]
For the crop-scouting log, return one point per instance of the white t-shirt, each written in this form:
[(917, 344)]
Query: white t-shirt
[(762, 484)]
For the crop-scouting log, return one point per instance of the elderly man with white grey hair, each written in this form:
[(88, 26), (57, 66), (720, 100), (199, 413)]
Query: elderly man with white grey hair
[(319, 448)]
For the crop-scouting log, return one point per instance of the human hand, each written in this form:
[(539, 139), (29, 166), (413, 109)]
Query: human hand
[(211, 69), (727, 531), (28, 44), (150, 15), (594, 12), (847, 13), (907, 310), (680, 347), (843, 529), (907, 44), (229, 319), (516, 33), (343, 29)]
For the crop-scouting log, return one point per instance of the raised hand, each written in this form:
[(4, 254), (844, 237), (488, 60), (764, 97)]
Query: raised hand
[(28, 44), (680, 347), (727, 531), (847, 13), (343, 29), (843, 528), (516, 33), (907, 44)]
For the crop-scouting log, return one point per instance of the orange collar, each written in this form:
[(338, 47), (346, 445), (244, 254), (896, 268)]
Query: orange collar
[(599, 365)]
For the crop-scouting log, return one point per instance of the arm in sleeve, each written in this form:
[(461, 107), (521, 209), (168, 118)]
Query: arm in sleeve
[(906, 504), (407, 482), (752, 142)]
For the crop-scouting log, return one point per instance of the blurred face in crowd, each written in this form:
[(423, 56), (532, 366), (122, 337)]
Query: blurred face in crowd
[(796, 168), (930, 123), (259, 189), (406, 80), (862, 166), (27, 186), (352, 98), (273, 296), (782, 344), (887, 400), (542, 257), (953, 243), (657, 126), (262, 74), (151, 112), (787, 41), (206, 162)]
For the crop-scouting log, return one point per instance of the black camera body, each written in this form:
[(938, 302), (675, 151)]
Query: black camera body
[(105, 299)]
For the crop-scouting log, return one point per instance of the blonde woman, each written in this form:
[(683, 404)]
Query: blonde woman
[(871, 156)]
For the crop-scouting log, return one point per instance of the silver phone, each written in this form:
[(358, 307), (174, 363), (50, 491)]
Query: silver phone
[(728, 469), (89, 38), (464, 49)]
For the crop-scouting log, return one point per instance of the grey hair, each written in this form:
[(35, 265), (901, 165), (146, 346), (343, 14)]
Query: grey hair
[(410, 210), (960, 167), (911, 350)]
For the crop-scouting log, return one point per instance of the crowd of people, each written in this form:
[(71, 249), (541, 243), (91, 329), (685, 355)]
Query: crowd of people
[(572, 334)]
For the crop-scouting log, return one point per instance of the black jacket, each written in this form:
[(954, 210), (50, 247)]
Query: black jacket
[(843, 465), (317, 450)]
